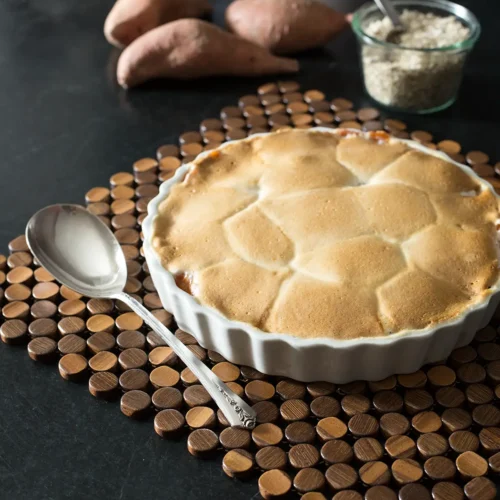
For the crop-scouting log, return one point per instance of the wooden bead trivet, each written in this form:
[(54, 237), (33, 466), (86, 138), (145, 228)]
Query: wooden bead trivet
[(433, 434)]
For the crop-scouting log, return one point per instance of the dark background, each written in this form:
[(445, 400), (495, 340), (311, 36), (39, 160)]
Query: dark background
[(65, 127)]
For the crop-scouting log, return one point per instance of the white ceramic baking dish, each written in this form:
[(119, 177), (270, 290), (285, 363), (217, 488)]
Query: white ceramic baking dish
[(320, 359)]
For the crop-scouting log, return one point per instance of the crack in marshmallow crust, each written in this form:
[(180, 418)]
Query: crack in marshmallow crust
[(338, 235)]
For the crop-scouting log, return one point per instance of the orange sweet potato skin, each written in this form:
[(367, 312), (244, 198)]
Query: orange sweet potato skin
[(129, 19), (190, 48), (284, 26)]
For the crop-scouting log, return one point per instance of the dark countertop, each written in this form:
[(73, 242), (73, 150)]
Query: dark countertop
[(65, 127)]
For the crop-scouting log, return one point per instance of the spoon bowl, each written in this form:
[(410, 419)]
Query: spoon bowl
[(78, 248)]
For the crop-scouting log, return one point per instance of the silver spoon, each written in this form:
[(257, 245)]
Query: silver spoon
[(386, 7), (83, 254)]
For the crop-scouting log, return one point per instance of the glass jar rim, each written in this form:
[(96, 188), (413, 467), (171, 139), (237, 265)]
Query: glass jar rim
[(458, 11)]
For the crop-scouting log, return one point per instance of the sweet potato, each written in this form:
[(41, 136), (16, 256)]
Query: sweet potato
[(284, 26), (129, 19), (190, 48)]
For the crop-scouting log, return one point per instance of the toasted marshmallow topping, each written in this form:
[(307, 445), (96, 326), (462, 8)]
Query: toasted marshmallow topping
[(338, 235)]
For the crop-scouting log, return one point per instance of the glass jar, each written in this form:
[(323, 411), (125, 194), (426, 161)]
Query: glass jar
[(407, 79)]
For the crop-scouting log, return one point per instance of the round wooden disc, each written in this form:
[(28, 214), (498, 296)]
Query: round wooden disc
[(194, 395), (446, 490), (14, 331), (274, 483), (427, 421), (42, 349), (414, 491), (43, 327), (169, 422), (267, 435), (290, 389), (132, 358), (103, 384), (494, 463), (355, 403), (100, 341), (72, 366), (461, 441), (301, 456), (100, 323), (201, 441), (431, 445), (337, 451), (69, 325), (400, 446), (259, 390), (271, 457), (200, 417), (368, 450), (233, 437), (72, 344), (331, 428), (440, 468), (129, 339), (375, 473), (490, 439), (393, 424), (377, 493), (135, 404), (406, 470), (43, 309), (309, 480), (167, 398), (227, 372), (316, 389), (471, 465), (300, 432), (480, 488), (325, 406), (341, 476), (163, 355), (134, 379), (237, 463), (363, 425), (294, 410), (103, 361)]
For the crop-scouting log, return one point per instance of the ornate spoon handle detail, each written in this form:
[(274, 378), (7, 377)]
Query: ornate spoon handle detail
[(236, 411)]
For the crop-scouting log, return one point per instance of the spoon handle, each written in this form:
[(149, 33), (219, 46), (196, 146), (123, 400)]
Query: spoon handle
[(236, 411), (388, 9)]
